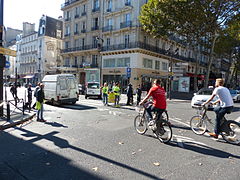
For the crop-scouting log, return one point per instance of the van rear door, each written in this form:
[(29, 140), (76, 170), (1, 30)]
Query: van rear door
[(62, 90)]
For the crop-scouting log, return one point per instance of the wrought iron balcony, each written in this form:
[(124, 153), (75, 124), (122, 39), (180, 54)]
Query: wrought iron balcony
[(76, 33), (67, 3), (96, 9), (80, 48), (84, 13), (68, 19), (76, 16), (126, 24), (107, 28), (66, 65), (83, 30), (95, 28), (127, 3), (67, 35), (146, 47), (109, 10)]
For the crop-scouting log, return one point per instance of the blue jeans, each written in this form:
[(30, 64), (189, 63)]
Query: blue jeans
[(105, 98), (40, 112), (220, 112), (117, 98), (151, 109)]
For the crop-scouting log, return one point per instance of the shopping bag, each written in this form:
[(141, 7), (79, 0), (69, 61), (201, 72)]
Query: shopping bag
[(38, 105)]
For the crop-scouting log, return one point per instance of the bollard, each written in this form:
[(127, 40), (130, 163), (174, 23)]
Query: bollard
[(8, 111)]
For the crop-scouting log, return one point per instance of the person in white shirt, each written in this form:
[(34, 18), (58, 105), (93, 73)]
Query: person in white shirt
[(226, 104)]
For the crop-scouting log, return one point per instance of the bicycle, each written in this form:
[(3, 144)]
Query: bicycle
[(162, 128), (229, 129)]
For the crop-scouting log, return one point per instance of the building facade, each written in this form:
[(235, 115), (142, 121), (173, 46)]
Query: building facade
[(107, 34)]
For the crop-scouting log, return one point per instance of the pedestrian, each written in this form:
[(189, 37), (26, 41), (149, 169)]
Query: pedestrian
[(39, 104), (129, 94), (13, 90), (116, 90), (35, 94), (139, 94), (105, 94), (29, 95)]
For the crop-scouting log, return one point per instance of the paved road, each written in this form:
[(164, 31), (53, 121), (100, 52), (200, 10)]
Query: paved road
[(92, 141)]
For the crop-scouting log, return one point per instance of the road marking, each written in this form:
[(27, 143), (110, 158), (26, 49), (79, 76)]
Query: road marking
[(181, 139), (180, 122)]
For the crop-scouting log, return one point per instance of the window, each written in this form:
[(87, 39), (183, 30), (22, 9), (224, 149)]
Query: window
[(95, 22), (67, 62), (127, 17), (67, 30), (126, 41), (83, 25), (123, 62), (76, 28), (109, 63), (83, 42), (95, 4), (84, 8), (67, 15), (67, 44), (94, 59), (164, 66), (109, 22), (77, 11), (157, 65), (76, 43), (63, 84), (94, 41), (75, 60), (147, 63), (109, 5), (108, 42)]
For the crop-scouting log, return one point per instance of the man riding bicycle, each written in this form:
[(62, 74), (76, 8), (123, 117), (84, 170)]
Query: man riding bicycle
[(226, 104), (159, 101)]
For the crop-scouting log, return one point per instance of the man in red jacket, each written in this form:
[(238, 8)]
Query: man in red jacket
[(159, 100)]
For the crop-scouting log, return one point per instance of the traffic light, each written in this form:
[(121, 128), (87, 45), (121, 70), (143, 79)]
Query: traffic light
[(2, 61)]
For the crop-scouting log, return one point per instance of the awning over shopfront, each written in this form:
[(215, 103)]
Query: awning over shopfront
[(28, 77)]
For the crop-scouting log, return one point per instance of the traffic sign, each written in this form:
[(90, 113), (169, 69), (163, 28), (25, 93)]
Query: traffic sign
[(7, 64), (128, 72), (8, 52)]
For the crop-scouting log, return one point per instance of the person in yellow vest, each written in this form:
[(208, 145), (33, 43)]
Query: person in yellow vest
[(105, 94), (116, 90)]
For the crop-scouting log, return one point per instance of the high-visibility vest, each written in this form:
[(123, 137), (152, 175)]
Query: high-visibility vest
[(116, 90), (105, 90)]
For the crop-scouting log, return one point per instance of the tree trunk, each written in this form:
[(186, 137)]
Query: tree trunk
[(196, 73), (210, 59)]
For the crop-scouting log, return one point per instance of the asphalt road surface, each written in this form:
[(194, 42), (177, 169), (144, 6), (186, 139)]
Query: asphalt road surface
[(92, 141)]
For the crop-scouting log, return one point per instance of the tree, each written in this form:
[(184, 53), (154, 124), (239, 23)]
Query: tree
[(199, 21)]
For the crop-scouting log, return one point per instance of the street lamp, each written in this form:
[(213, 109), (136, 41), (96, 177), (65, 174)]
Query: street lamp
[(100, 42)]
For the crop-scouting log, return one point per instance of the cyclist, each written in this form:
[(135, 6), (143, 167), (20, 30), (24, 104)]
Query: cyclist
[(159, 101), (226, 104)]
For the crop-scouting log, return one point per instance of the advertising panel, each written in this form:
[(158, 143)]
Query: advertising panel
[(184, 84)]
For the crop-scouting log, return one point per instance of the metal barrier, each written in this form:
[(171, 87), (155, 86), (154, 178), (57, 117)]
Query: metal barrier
[(14, 102)]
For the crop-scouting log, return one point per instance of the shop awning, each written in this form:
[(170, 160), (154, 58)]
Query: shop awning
[(28, 76)]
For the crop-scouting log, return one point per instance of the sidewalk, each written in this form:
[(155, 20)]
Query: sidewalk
[(16, 118)]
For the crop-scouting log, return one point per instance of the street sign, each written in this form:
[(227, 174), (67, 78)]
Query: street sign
[(7, 64), (128, 72), (8, 52)]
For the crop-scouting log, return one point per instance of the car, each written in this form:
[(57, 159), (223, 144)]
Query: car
[(93, 89), (202, 96), (235, 95), (81, 89)]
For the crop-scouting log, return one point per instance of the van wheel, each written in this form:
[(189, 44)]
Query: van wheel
[(86, 97)]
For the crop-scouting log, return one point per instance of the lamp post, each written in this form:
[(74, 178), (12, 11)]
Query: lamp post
[(2, 58), (100, 42)]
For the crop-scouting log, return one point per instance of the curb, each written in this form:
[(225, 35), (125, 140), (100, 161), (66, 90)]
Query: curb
[(3, 127)]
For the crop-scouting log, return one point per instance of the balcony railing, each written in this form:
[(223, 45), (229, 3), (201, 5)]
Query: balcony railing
[(84, 13), (68, 19), (76, 33), (76, 16), (146, 47), (96, 9), (81, 48), (126, 24), (68, 3), (109, 10), (127, 3), (83, 30), (107, 28), (66, 35), (66, 65), (95, 28)]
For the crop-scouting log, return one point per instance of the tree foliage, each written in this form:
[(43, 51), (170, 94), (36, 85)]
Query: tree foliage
[(200, 21)]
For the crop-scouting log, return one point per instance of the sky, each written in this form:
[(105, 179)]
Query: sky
[(18, 11)]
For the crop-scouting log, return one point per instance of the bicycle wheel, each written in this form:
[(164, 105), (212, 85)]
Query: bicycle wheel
[(164, 131), (198, 125), (165, 116), (232, 135), (140, 124)]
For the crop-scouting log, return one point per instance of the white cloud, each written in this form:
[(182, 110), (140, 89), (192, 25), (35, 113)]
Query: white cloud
[(18, 11)]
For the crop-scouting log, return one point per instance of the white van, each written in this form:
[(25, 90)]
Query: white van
[(60, 88), (93, 89)]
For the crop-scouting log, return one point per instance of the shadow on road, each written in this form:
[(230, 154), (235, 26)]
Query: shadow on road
[(202, 149), (74, 106), (59, 167), (55, 124)]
